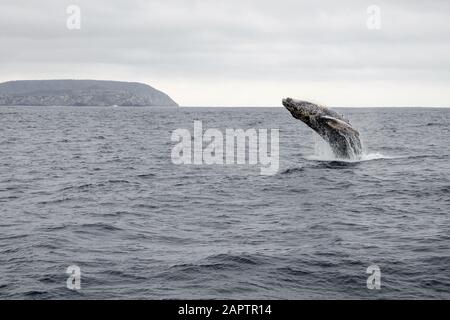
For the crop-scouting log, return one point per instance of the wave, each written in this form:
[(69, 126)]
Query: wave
[(321, 161), (292, 170), (364, 157), (223, 261), (369, 157)]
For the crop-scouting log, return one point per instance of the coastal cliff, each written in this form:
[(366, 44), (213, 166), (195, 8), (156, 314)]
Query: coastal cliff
[(81, 93)]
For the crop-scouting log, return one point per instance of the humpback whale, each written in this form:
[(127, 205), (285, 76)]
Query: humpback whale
[(331, 126)]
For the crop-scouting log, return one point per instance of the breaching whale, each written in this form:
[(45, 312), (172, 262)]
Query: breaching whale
[(331, 126)]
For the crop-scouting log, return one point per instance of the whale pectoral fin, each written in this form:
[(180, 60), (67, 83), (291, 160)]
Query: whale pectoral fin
[(338, 124)]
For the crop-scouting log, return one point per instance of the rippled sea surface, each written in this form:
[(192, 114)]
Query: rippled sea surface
[(96, 187)]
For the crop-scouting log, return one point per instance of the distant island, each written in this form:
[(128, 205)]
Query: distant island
[(81, 93)]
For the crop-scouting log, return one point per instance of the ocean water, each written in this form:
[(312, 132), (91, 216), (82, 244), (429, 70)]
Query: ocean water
[(95, 187)]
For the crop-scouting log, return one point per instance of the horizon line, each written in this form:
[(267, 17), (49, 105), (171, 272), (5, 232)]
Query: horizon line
[(353, 107)]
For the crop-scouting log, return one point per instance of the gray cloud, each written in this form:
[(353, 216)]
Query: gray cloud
[(200, 50)]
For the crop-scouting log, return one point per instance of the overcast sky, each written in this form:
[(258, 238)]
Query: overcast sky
[(239, 52)]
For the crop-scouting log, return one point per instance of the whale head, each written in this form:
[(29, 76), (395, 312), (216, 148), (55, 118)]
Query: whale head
[(302, 110)]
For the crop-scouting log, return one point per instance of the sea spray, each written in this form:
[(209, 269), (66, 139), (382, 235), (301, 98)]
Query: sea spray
[(323, 152)]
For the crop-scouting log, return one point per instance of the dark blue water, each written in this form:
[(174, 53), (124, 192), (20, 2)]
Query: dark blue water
[(95, 187)]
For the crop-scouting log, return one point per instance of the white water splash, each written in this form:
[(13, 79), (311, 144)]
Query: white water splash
[(375, 156), (323, 152)]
